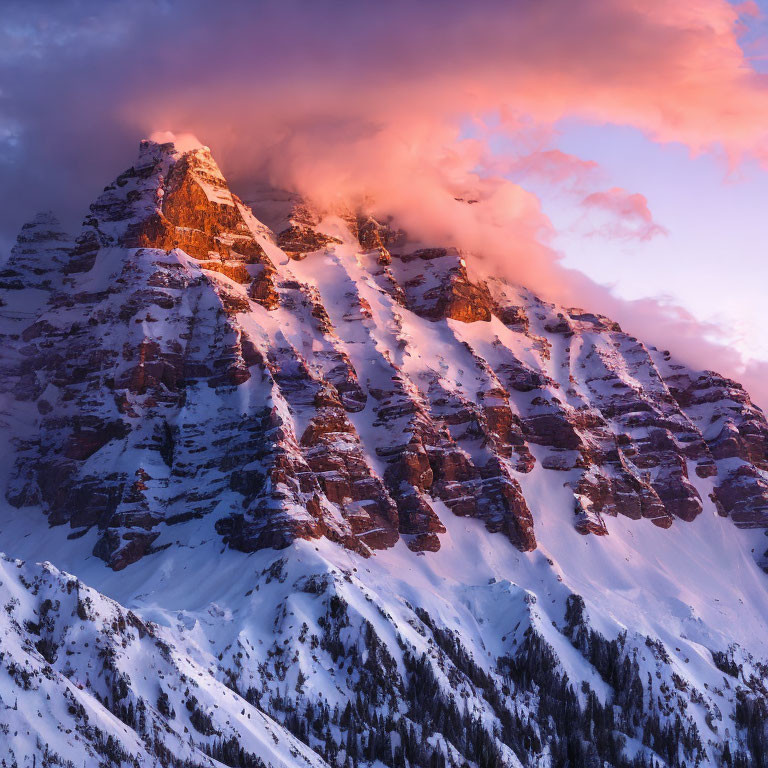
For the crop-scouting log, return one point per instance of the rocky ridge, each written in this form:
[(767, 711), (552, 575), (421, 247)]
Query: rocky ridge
[(331, 379)]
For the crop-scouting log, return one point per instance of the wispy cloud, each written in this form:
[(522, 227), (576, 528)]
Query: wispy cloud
[(622, 215)]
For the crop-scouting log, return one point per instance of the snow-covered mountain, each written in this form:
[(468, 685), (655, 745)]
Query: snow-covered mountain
[(338, 498)]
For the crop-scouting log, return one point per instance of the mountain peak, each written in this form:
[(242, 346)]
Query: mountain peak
[(182, 142), (41, 243), (41, 251)]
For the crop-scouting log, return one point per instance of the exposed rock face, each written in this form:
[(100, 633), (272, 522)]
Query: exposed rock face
[(172, 200), (30, 276), (37, 259), (437, 286), (298, 240), (29, 279), (735, 434), (178, 362)]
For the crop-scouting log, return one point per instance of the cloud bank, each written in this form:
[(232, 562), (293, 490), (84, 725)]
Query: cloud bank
[(410, 105)]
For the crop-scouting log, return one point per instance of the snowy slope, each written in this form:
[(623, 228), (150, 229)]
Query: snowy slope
[(84, 679), (251, 618)]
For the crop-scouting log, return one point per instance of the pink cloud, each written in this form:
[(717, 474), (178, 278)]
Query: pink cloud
[(629, 216), (369, 102), (555, 167), (279, 86)]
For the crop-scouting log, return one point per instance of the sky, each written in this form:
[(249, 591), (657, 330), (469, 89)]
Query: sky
[(707, 248), (617, 149)]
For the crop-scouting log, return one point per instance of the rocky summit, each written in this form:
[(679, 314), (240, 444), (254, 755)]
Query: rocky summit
[(367, 506)]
